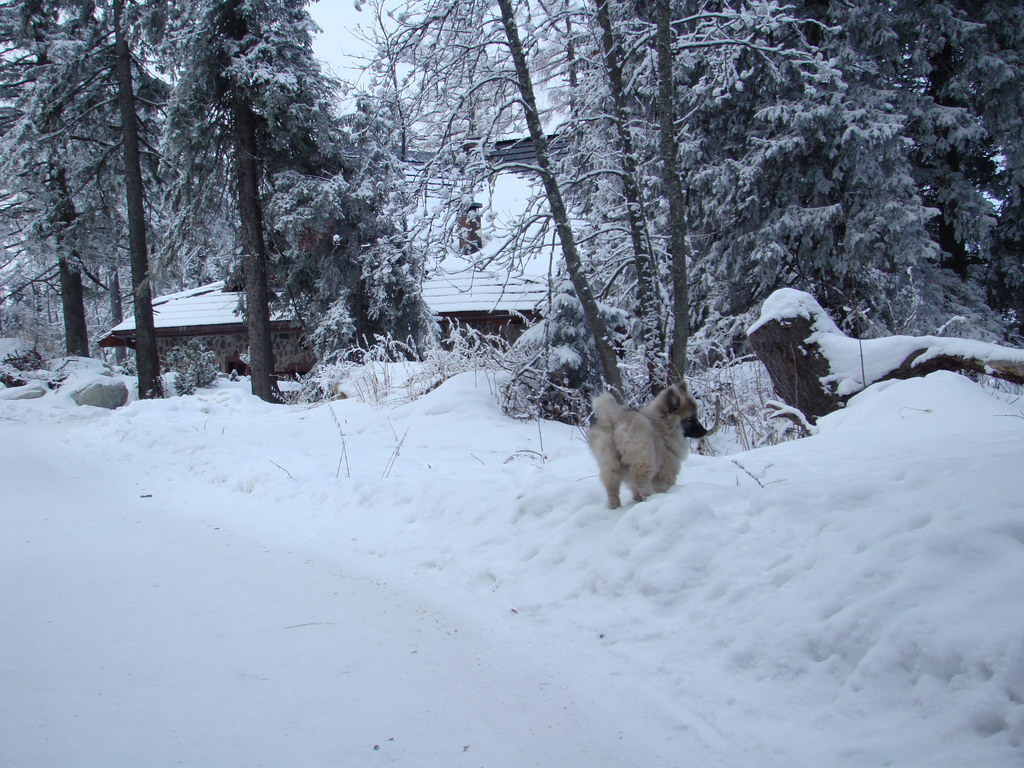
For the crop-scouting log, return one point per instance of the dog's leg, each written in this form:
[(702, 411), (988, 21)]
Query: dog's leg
[(612, 479), (639, 479), (666, 478), (668, 471), (641, 490)]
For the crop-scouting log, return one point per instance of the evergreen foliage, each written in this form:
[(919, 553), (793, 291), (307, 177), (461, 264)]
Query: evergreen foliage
[(330, 198), (799, 176), (555, 365), (61, 141), (351, 271), (194, 366)]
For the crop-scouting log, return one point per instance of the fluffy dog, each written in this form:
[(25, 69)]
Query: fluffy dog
[(645, 446)]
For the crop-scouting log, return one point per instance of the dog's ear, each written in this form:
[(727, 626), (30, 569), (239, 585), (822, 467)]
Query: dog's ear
[(672, 400)]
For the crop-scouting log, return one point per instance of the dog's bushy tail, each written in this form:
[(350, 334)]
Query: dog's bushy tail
[(606, 408)]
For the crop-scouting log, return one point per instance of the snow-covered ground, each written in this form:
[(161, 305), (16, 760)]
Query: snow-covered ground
[(212, 580)]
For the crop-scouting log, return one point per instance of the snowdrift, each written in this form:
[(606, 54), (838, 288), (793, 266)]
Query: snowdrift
[(848, 599)]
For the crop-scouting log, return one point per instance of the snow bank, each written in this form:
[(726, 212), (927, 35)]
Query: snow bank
[(848, 599)]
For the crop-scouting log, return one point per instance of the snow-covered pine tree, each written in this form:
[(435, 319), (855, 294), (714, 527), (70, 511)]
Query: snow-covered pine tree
[(960, 72), (194, 366), (798, 173), (557, 366), (36, 77), (352, 273), (952, 149), (317, 197), (246, 80), (60, 141), (147, 356)]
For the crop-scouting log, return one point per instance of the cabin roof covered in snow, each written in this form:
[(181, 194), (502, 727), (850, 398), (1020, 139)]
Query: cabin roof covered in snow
[(479, 291), (445, 293), (206, 305)]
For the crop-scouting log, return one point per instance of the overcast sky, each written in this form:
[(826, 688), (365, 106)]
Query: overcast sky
[(338, 42)]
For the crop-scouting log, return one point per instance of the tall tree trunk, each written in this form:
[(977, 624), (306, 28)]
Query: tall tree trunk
[(643, 260), (72, 297), (254, 251), (668, 148), (954, 249), (145, 333), (591, 311), (116, 310)]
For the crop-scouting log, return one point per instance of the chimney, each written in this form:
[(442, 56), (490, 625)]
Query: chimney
[(470, 240)]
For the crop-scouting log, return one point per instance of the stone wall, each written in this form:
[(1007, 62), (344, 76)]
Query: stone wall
[(289, 355)]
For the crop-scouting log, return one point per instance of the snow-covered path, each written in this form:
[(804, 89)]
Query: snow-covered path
[(212, 580), (136, 634)]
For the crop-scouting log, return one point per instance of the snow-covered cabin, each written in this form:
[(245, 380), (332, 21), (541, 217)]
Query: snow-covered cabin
[(211, 313), (490, 302)]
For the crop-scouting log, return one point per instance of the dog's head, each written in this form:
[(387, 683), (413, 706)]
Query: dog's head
[(678, 404)]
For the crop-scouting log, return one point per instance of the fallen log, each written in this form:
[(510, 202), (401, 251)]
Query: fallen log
[(816, 368)]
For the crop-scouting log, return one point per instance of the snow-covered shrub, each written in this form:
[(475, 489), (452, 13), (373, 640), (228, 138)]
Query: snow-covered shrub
[(193, 366), (130, 365), (390, 370), (20, 366), (465, 349), (555, 366), (735, 394), (366, 373), (26, 364)]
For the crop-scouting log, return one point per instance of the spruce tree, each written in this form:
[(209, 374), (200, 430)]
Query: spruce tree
[(799, 173), (246, 80), (960, 73), (66, 61), (38, 76)]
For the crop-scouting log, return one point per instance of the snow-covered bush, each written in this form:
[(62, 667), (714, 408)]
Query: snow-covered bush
[(550, 373), (555, 366), (390, 371), (21, 365), (193, 366), (734, 395)]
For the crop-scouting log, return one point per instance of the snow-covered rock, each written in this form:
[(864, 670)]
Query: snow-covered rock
[(102, 394), (30, 391)]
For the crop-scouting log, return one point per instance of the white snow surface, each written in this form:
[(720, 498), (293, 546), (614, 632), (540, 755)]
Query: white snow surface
[(461, 291), (482, 291), (856, 363), (212, 580)]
